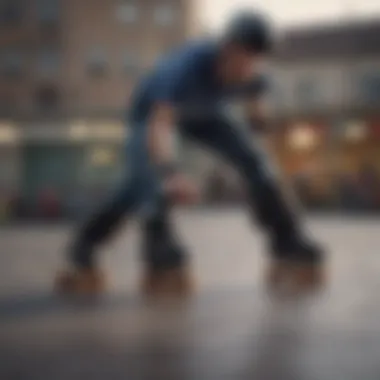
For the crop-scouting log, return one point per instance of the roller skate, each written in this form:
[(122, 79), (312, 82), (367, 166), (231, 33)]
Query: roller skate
[(83, 277), (166, 272), (297, 266), (87, 281), (168, 282)]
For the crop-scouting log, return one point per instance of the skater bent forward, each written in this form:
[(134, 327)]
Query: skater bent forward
[(186, 92)]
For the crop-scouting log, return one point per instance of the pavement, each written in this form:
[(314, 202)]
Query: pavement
[(231, 329)]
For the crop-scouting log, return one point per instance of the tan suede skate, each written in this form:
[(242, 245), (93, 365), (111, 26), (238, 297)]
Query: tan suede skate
[(80, 282), (175, 282), (294, 276)]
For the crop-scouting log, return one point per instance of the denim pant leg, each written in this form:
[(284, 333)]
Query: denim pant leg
[(160, 244), (138, 187), (139, 190), (272, 209)]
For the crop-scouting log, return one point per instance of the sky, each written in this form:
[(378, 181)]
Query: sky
[(290, 12)]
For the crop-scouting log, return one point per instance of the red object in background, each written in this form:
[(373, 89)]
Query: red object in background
[(374, 127), (49, 204)]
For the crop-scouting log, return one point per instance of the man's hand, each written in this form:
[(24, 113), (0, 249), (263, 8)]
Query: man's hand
[(180, 189), (259, 114), (161, 134), (160, 140)]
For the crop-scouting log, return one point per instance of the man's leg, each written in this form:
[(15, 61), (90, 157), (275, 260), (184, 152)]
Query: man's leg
[(84, 275), (139, 187), (289, 244), (166, 268), (161, 246)]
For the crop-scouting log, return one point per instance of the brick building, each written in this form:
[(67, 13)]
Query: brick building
[(67, 68)]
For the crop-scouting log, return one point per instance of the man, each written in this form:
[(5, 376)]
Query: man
[(188, 91)]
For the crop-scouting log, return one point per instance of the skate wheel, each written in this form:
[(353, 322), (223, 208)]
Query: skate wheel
[(80, 283), (167, 283), (309, 276), (294, 277)]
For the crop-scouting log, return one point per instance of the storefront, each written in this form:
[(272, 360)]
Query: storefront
[(303, 152), (332, 164), (67, 165), (357, 159)]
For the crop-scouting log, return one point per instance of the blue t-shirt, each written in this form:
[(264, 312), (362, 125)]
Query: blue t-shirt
[(186, 78)]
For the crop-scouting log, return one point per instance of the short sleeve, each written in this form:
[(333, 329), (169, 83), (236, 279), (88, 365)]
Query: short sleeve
[(170, 80)]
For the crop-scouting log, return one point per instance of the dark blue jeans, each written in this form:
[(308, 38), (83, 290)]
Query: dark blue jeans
[(268, 204), (141, 189)]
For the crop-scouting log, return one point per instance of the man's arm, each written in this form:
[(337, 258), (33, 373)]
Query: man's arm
[(161, 147), (161, 134), (170, 81), (161, 130)]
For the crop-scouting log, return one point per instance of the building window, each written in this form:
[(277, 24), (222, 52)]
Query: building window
[(165, 15), (48, 11), (47, 97), (127, 12), (11, 12), (131, 63), (48, 63), (11, 64), (370, 88), (97, 62)]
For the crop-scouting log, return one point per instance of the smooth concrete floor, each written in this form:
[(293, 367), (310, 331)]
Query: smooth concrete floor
[(230, 329)]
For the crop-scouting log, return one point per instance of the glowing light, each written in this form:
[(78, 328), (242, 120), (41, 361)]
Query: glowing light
[(302, 137), (83, 130), (8, 133), (79, 131), (102, 157), (355, 131)]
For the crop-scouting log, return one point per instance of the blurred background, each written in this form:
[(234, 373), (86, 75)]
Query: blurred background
[(67, 69)]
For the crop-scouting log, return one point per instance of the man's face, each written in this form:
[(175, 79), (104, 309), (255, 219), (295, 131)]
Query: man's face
[(238, 65)]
